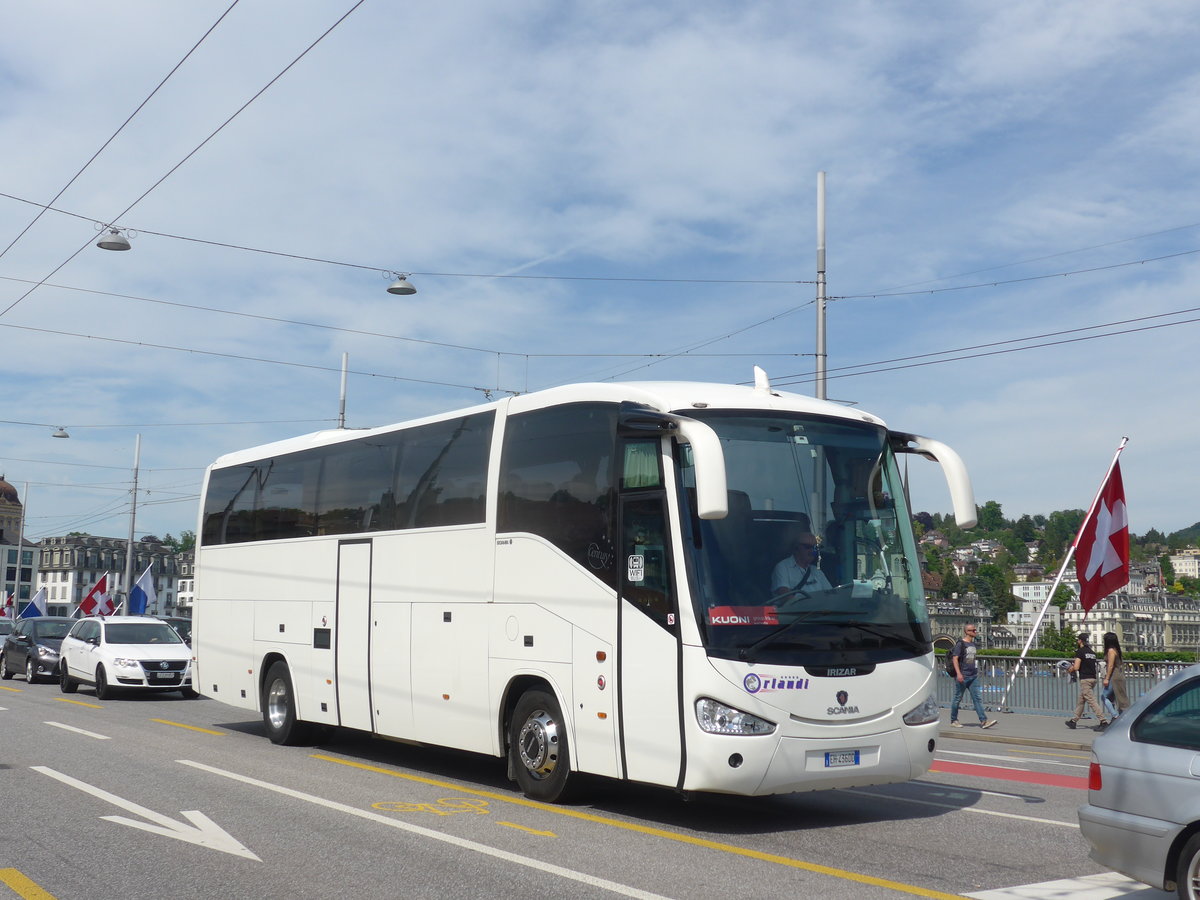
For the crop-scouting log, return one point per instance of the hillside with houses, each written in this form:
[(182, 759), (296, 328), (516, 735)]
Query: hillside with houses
[(1001, 572)]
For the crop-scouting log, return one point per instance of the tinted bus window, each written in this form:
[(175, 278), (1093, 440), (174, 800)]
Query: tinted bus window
[(556, 479)]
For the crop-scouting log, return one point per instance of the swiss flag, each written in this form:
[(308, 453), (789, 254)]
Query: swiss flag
[(97, 602), (1102, 548)]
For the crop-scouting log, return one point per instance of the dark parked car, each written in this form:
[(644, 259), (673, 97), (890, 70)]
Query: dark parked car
[(33, 647), (180, 624), (1142, 817)]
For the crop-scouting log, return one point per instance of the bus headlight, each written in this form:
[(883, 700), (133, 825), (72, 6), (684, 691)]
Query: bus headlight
[(924, 714), (717, 718)]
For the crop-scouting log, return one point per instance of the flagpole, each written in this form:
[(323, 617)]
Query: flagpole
[(20, 548), (127, 584), (1061, 571)]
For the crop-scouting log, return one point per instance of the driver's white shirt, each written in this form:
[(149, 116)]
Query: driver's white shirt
[(788, 573)]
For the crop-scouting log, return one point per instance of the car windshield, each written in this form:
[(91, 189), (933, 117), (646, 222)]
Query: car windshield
[(183, 626), (815, 564), (54, 631), (141, 633)]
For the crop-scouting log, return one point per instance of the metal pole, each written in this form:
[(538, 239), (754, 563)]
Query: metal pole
[(821, 356), (128, 583), (20, 549), (342, 403)]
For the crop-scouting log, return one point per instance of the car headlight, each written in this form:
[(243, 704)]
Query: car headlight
[(122, 663), (717, 718), (924, 714), (47, 653)]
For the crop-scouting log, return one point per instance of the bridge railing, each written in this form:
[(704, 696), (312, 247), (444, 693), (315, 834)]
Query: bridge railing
[(1043, 686)]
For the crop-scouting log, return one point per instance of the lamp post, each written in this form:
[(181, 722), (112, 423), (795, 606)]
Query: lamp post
[(127, 584)]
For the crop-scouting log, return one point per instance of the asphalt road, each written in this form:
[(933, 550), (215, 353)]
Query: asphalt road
[(154, 796)]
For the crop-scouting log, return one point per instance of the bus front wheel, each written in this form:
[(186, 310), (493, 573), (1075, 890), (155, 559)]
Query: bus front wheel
[(279, 707), (537, 747)]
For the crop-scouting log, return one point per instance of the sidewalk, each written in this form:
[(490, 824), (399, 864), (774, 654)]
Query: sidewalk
[(1015, 728)]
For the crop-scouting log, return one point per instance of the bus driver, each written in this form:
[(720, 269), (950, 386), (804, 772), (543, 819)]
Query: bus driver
[(798, 575)]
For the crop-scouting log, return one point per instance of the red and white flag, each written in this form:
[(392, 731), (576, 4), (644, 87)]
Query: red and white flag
[(97, 602), (1102, 547), (7, 611)]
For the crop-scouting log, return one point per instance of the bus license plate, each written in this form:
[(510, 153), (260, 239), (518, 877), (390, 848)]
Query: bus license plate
[(836, 758)]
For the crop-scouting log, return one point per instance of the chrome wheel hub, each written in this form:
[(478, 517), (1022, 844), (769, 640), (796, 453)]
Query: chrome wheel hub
[(537, 744), (277, 705)]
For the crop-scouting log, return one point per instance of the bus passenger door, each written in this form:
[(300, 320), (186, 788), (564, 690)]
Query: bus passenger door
[(649, 653), (353, 634)]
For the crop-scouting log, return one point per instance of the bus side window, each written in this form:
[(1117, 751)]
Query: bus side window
[(646, 581)]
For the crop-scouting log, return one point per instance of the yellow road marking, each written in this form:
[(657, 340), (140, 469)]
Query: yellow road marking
[(79, 703), (732, 849), (6, 688), (526, 828), (23, 886), (188, 727)]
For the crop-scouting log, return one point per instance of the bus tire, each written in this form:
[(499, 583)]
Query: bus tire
[(539, 754), (279, 708)]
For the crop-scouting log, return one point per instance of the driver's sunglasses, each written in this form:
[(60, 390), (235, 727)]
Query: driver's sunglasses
[(806, 546)]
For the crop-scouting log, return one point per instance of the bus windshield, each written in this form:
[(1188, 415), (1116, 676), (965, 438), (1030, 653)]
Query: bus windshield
[(815, 564)]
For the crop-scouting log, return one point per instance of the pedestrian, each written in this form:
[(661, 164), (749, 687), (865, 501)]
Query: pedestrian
[(1084, 666), (966, 678), (1114, 692)]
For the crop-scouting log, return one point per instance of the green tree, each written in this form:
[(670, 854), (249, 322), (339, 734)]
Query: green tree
[(1024, 529), (1015, 546), (991, 516), (951, 584), (1063, 596), (1168, 570), (186, 541), (1060, 531), (1063, 641)]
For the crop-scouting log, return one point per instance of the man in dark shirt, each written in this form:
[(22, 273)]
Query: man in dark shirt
[(1085, 666), (966, 673)]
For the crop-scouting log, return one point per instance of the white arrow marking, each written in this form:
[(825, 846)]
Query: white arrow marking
[(203, 830)]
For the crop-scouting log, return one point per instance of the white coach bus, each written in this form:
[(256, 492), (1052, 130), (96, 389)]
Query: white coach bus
[(586, 579)]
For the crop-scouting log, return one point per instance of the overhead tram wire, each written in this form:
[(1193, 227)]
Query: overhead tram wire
[(985, 284), (238, 356), (1024, 262), (193, 151), (370, 268), (805, 379), (120, 128), (1020, 340)]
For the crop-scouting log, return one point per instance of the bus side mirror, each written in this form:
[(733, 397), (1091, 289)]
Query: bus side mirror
[(962, 495)]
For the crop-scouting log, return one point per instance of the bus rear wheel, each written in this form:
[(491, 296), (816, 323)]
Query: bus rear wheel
[(537, 745), (279, 708)]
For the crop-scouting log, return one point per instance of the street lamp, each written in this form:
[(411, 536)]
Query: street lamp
[(114, 239), (400, 285)]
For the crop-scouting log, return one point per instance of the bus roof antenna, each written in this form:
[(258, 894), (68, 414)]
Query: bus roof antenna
[(762, 383)]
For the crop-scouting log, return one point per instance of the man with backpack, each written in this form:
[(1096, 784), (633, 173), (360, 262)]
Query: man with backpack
[(965, 672)]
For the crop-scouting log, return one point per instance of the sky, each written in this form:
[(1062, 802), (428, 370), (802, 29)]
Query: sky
[(597, 191)]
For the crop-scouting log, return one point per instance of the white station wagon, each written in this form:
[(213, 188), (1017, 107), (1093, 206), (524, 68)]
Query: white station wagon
[(115, 652)]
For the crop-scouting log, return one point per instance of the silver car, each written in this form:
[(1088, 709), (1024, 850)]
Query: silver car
[(1142, 817)]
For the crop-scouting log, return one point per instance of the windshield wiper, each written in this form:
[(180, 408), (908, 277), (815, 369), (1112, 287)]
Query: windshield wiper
[(745, 652), (914, 643)]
